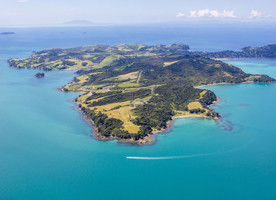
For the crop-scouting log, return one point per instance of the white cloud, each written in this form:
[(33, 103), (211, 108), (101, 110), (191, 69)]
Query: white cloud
[(224, 14), (180, 14), (193, 13), (215, 13), (202, 13), (254, 14), (210, 13), (229, 13)]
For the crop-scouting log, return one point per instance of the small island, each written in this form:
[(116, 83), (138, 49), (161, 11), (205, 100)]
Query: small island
[(7, 33), (39, 75), (130, 92)]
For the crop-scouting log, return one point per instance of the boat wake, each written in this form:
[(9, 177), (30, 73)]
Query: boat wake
[(169, 157), (190, 156)]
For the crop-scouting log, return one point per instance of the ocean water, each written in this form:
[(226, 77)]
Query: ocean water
[(47, 151)]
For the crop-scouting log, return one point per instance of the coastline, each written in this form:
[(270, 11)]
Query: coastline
[(146, 140), (149, 138), (170, 122)]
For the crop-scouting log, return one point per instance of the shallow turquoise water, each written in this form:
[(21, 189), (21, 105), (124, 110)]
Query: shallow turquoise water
[(47, 152)]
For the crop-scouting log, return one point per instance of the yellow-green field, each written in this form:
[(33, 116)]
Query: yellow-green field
[(123, 113), (202, 93), (169, 63), (252, 77), (132, 75), (194, 105), (129, 84)]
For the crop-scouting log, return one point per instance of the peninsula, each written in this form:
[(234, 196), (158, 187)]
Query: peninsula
[(130, 92)]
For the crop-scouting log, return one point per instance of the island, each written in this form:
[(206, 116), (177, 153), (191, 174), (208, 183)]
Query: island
[(39, 75), (131, 91), (7, 33)]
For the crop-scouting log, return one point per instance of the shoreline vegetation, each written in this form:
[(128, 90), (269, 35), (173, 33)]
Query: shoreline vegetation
[(131, 92), (201, 86), (149, 138)]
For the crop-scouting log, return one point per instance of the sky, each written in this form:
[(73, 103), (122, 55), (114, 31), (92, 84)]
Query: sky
[(55, 12)]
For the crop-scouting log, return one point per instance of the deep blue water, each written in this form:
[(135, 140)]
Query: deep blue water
[(199, 36), (47, 152)]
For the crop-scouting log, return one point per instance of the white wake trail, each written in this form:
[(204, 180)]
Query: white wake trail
[(169, 157), (189, 156)]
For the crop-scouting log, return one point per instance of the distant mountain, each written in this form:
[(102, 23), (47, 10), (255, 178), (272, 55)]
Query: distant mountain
[(78, 23)]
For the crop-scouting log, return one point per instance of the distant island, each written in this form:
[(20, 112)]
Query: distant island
[(78, 23), (7, 33), (130, 92), (268, 51)]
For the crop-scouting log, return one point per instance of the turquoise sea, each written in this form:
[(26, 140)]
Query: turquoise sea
[(47, 151)]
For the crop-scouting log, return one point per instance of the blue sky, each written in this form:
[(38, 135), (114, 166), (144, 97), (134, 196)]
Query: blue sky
[(51, 12)]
